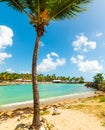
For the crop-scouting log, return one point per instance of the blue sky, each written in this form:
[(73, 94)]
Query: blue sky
[(73, 47)]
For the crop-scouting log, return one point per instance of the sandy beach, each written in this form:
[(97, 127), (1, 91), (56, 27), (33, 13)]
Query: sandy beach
[(75, 113), (67, 120), (75, 120)]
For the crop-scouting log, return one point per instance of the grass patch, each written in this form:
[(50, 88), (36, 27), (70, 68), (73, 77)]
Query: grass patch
[(68, 107), (94, 99), (102, 99), (45, 112), (79, 106), (103, 123)]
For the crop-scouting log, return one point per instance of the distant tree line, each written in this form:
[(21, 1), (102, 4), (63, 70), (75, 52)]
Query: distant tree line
[(49, 78), (6, 76)]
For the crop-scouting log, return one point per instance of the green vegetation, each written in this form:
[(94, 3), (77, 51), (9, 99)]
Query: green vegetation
[(5, 76), (98, 78), (50, 78), (102, 99), (98, 82), (45, 112), (103, 123), (101, 86)]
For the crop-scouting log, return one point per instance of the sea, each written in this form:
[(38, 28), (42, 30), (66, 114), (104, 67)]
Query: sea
[(23, 92)]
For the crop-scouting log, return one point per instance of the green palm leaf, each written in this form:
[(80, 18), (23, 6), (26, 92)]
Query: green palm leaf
[(18, 5), (56, 9), (66, 9)]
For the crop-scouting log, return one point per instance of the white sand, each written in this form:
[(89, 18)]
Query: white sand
[(67, 120), (75, 120)]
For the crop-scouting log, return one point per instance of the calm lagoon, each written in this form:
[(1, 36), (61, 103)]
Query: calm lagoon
[(23, 92)]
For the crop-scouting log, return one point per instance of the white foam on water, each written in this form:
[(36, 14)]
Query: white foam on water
[(48, 100)]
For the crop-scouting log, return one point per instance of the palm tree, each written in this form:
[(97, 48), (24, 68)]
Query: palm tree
[(81, 79), (40, 13), (98, 78)]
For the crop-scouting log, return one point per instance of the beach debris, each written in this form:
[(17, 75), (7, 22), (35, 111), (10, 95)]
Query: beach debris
[(22, 127), (21, 111), (45, 110), (55, 110), (99, 93), (4, 116), (16, 114), (27, 110), (45, 125)]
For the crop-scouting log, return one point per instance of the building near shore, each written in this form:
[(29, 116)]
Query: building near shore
[(22, 80), (57, 81)]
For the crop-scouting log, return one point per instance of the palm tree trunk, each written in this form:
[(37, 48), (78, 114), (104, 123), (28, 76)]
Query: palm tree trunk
[(36, 118)]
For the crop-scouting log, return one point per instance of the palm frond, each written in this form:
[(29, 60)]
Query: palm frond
[(18, 5), (66, 9), (42, 11)]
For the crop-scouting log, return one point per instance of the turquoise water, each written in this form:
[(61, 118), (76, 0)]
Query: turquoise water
[(20, 93)]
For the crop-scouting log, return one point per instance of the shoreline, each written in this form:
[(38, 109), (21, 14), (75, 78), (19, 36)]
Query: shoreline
[(77, 111), (47, 101), (7, 83)]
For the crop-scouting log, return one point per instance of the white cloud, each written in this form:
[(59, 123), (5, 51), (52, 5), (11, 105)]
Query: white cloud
[(6, 35), (78, 59), (49, 63), (86, 66), (54, 54), (73, 60), (42, 44), (99, 34), (82, 43), (90, 66), (3, 56), (9, 70)]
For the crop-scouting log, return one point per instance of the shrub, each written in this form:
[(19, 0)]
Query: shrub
[(101, 86), (102, 99)]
